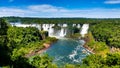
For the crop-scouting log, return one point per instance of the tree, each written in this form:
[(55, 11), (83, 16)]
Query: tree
[(4, 51), (113, 59), (41, 61), (3, 27)]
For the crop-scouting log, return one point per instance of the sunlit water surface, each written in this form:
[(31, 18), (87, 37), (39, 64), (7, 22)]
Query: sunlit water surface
[(67, 51)]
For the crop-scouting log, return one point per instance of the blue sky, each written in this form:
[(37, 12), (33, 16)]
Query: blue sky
[(61, 8)]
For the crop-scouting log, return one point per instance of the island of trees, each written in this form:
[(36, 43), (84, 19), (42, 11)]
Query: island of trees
[(18, 44)]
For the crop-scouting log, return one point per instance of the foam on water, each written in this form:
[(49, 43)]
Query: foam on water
[(67, 51)]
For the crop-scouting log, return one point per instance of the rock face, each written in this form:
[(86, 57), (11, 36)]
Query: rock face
[(44, 34), (113, 49), (46, 45), (38, 51)]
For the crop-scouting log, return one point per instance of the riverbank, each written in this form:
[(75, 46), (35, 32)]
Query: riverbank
[(88, 38), (38, 51), (47, 43), (87, 47), (95, 47)]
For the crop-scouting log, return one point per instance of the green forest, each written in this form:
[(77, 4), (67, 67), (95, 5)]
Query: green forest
[(18, 43), (28, 20)]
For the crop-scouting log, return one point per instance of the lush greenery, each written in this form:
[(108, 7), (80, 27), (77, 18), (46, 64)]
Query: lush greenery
[(100, 39), (59, 20), (108, 33), (4, 51), (95, 46), (17, 42), (97, 61)]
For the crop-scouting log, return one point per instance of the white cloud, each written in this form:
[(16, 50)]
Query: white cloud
[(4, 11), (112, 2), (45, 8), (52, 11)]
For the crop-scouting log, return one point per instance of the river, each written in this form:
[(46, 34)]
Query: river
[(67, 51)]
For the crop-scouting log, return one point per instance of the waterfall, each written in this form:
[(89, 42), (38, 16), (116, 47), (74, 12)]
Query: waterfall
[(84, 29), (62, 33), (51, 30), (65, 32), (74, 25), (78, 26), (38, 26), (59, 24), (54, 32), (45, 27), (65, 25)]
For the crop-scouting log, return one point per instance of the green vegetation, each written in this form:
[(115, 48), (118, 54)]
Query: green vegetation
[(4, 51), (44, 62), (100, 39), (60, 20), (17, 42), (108, 33), (97, 61), (95, 46)]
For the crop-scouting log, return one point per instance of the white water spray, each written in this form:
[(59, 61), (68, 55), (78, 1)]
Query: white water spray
[(84, 29)]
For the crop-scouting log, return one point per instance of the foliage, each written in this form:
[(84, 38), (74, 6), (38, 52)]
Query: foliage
[(16, 42), (69, 66), (4, 51), (41, 61), (112, 60), (50, 40), (19, 36), (44, 34), (98, 46), (28, 20), (95, 46), (22, 62), (108, 33), (3, 27), (93, 60)]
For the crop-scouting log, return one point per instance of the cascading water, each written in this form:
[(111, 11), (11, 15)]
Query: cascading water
[(49, 27), (78, 26), (65, 32), (62, 32), (45, 27), (51, 30), (74, 25), (65, 25), (84, 29)]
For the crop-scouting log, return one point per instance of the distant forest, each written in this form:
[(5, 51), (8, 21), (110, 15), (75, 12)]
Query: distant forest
[(28, 20)]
